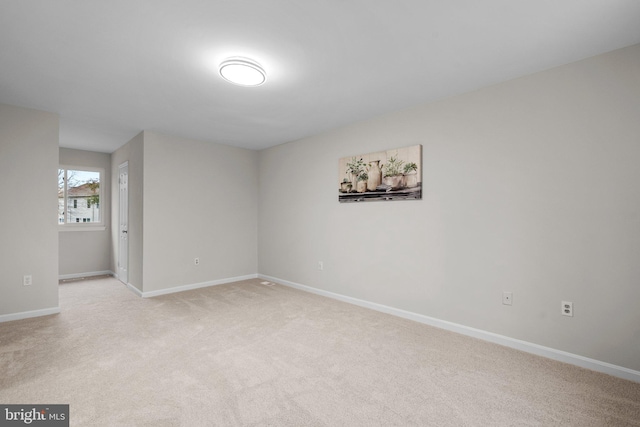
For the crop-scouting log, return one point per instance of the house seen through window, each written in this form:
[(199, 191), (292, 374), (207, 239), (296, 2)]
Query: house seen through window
[(79, 196)]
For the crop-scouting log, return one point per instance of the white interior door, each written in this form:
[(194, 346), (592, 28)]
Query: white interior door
[(123, 225)]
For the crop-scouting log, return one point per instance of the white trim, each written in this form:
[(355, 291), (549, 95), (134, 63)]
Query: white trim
[(182, 288), (29, 314), (539, 350), (85, 275), (128, 285), (81, 227), (135, 290)]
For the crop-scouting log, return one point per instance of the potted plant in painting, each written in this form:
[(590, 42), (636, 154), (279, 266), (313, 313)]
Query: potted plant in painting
[(410, 179), (345, 186), (355, 168), (393, 173), (362, 182)]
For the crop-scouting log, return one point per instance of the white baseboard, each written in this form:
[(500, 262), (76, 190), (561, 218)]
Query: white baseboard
[(85, 275), (132, 288), (28, 314), (551, 353), (183, 288), (135, 290)]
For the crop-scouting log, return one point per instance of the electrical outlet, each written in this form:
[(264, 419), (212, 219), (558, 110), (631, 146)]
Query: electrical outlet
[(196, 261), (567, 308), (320, 265), (27, 280), (507, 298)]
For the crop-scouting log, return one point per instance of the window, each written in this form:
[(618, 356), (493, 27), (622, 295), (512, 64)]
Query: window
[(79, 193)]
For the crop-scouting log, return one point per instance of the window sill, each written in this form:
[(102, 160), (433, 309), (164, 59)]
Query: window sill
[(82, 227)]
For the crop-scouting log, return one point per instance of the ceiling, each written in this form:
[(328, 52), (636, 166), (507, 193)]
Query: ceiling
[(113, 68)]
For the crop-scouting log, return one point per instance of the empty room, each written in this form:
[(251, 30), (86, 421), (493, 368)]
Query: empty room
[(331, 213)]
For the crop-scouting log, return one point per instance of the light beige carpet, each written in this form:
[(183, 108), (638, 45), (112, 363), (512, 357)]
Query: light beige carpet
[(248, 354)]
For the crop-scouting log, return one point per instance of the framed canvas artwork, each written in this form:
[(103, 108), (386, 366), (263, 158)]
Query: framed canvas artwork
[(384, 175)]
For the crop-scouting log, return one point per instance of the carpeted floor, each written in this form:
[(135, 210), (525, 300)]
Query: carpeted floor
[(250, 354)]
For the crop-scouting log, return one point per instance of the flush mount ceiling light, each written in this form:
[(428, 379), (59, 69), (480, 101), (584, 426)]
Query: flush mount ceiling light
[(242, 71)]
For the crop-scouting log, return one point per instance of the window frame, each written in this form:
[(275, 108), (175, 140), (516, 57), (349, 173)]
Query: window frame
[(82, 226)]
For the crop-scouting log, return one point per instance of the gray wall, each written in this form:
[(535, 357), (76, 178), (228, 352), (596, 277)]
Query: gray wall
[(200, 200), (530, 186), (28, 223), (187, 199), (133, 152), (87, 251)]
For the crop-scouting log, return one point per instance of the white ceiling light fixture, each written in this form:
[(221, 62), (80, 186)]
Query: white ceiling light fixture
[(242, 71)]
